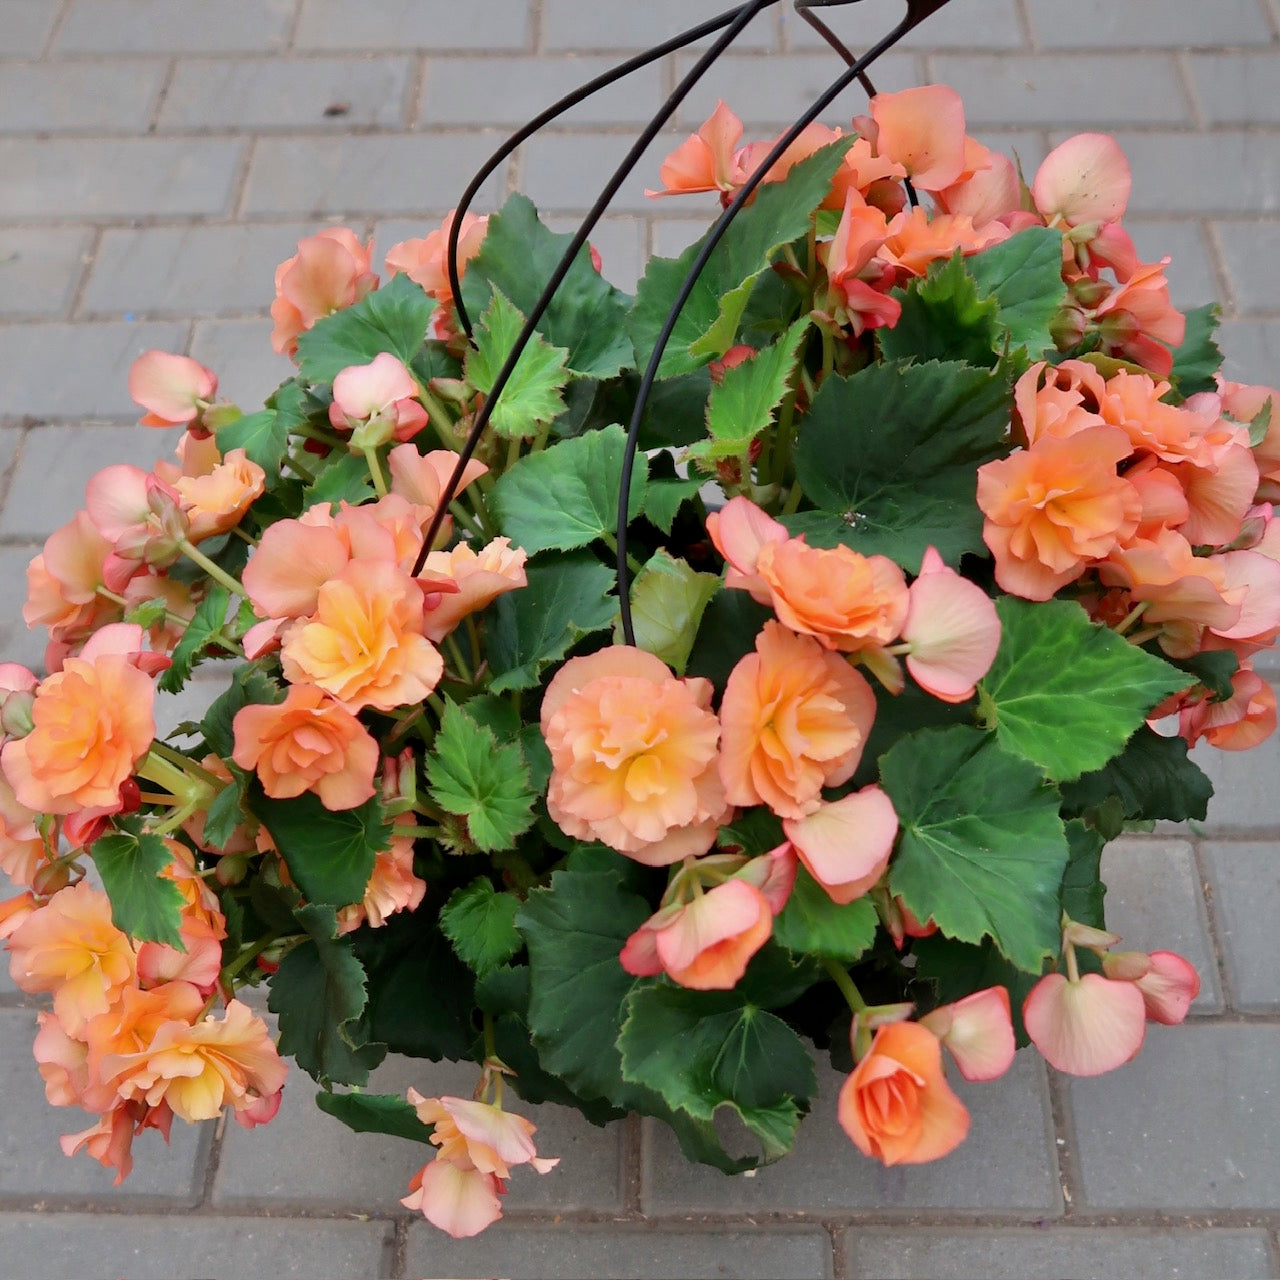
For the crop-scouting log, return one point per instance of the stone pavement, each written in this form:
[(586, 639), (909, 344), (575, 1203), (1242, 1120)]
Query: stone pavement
[(159, 157)]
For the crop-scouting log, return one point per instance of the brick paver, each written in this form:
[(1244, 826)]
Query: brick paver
[(159, 157)]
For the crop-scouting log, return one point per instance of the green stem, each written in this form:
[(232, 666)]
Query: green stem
[(439, 418), (319, 435), (218, 574), (303, 469), (472, 526), (612, 543), (454, 651), (513, 452), (249, 954), (375, 471), (186, 764), (245, 537), (840, 976), (792, 504)]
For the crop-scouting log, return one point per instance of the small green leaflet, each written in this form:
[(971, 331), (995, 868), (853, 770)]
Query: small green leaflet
[(812, 924), (344, 478), (534, 394), (668, 599), (481, 924), (209, 619), (375, 1113), (264, 437), (144, 904), (1024, 275), (472, 777), (1197, 361), (944, 317)]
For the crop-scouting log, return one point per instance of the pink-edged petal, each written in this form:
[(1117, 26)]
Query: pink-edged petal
[(922, 129), (461, 1202), (1085, 179), (116, 499), (978, 1031), (1260, 576), (953, 630), (774, 874), (728, 911), (639, 954), (1088, 1027), (846, 845), (362, 390), (740, 530), (169, 386), (1168, 988)]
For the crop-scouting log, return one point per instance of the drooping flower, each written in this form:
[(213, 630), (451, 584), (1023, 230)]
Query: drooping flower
[(845, 845), (174, 390), (1085, 1026), (478, 579), (330, 271), (922, 129), (218, 500), (978, 1031), (377, 402), (425, 261), (392, 887), (1085, 179), (705, 161)]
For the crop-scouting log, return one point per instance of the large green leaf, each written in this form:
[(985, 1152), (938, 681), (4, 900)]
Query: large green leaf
[(944, 317), (330, 854), (533, 396), (319, 993), (375, 1113), (567, 496), (1197, 361), (1065, 692), (668, 599), (209, 618), (982, 848), (704, 1050), (780, 213), (394, 318), (1024, 276), (890, 458), (344, 477), (566, 598), (264, 437), (587, 316), (814, 925), (1082, 888), (144, 904)]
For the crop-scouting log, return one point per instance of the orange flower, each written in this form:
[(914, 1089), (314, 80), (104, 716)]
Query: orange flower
[(480, 577), (705, 161), (308, 742), (633, 754), (897, 1105), (913, 239), (425, 261), (330, 271), (63, 581), (392, 887), (794, 719), (365, 644), (217, 501), (922, 129)]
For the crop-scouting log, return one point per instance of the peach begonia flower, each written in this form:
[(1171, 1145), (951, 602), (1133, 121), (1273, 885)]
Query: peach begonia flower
[(1083, 180), (988, 189), (459, 1199), (479, 577), (913, 239), (308, 742), (1058, 400), (978, 1032), (1218, 497), (365, 645), (421, 477), (292, 561), (1085, 1026), (705, 161), (63, 581), (22, 849), (1245, 403), (63, 1061), (1056, 507), (174, 390), (218, 500), (811, 138), (71, 948), (633, 753), (93, 722), (392, 887), (794, 719), (425, 261), (330, 271), (1244, 720), (1137, 320), (376, 402), (1134, 402), (704, 944), (845, 845), (922, 129), (110, 1140), (897, 1106), (848, 602)]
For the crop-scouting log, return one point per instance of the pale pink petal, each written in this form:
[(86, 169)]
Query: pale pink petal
[(728, 910), (740, 530), (1260, 576), (1085, 179), (169, 386), (1088, 1027), (116, 499), (461, 1202), (1169, 987), (978, 1031), (363, 390), (846, 845), (774, 874)]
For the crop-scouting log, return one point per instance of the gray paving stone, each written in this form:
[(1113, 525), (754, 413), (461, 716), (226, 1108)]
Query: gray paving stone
[(1252, 349), (310, 1158), (1245, 796), (272, 93), (773, 89), (1131, 88), (570, 1251), (1251, 249), (1154, 902), (976, 24), (240, 353), (570, 24), (51, 1246), (374, 173), (1005, 1165), (1193, 1123), (48, 485), (76, 371), (175, 26), (1235, 88), (40, 269), (1084, 1253), (407, 24), (32, 1166), (1246, 898), (17, 643), (26, 25), (1192, 280), (1142, 24), (172, 709), (190, 270), (566, 171), (116, 177), (530, 85), (96, 97)]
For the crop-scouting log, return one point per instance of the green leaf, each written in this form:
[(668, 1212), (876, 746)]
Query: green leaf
[(225, 813), (566, 598), (147, 614), (957, 969), (1213, 668), (343, 478), (668, 599), (812, 924), (534, 394), (1261, 423), (587, 316), (144, 904), (264, 436), (709, 320), (472, 777), (394, 318), (704, 1050), (1153, 778), (375, 1113), (1082, 887), (730, 625), (982, 849), (664, 498), (249, 685), (1024, 275), (329, 853), (319, 993), (567, 496), (890, 457), (481, 924), (1065, 692), (1197, 361), (944, 317), (209, 619), (742, 405)]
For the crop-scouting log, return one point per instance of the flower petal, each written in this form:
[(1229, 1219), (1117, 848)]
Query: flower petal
[(1088, 1027)]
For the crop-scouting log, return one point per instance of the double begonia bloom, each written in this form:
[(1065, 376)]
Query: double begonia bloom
[(22, 849), (846, 601), (1138, 321), (93, 721), (308, 742), (174, 390), (422, 478), (845, 845), (978, 1033), (913, 240), (705, 944), (377, 402), (392, 887), (897, 1106), (1059, 400), (330, 271), (365, 646), (633, 753), (63, 581), (705, 161), (219, 499), (794, 719), (1056, 507), (478, 578), (426, 261), (1085, 179)]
